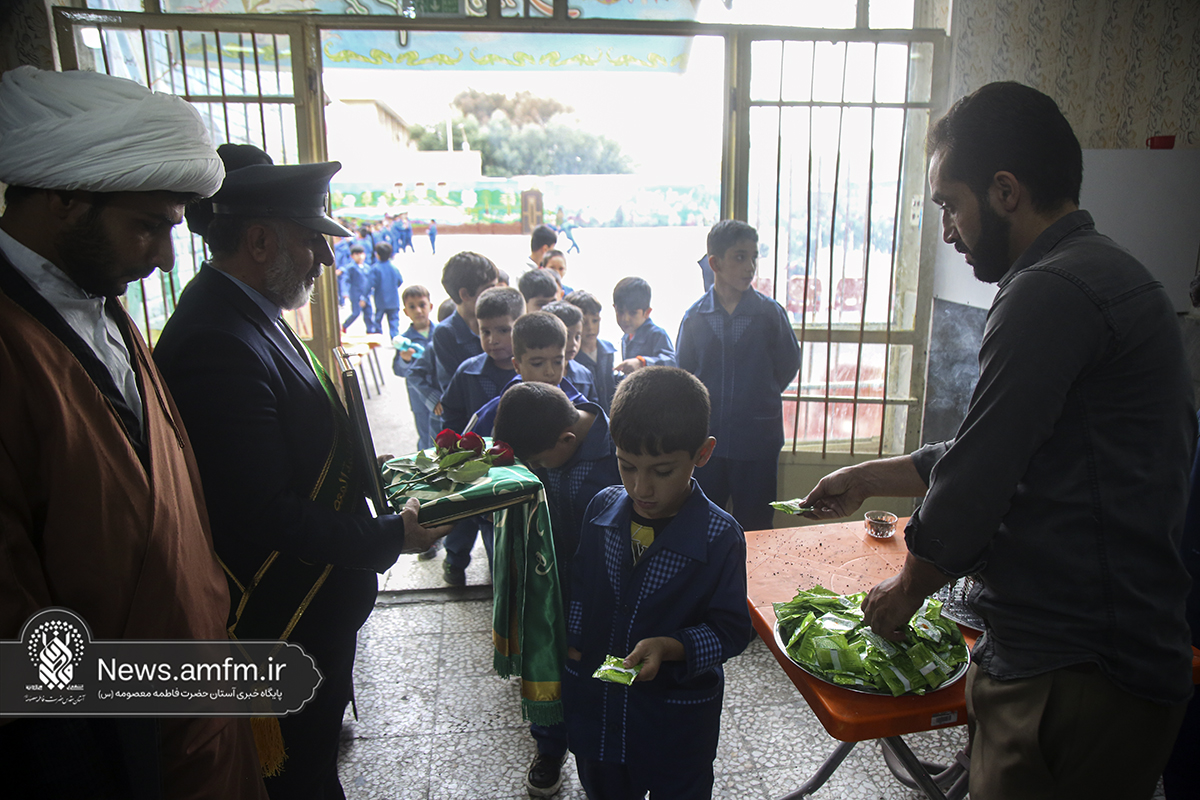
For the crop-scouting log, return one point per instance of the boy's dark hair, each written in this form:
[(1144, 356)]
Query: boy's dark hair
[(499, 301), (728, 232), (1009, 127), (445, 309), (538, 283), (659, 410), (551, 254), (502, 277), (542, 235), (631, 294), (585, 301), (536, 330), (569, 314), (357, 248), (531, 417), (466, 270), (413, 290), (383, 251)]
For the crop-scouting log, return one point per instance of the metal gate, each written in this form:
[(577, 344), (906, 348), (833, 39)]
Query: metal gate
[(253, 82)]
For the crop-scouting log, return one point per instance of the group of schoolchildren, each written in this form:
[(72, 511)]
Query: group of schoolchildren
[(639, 459), (367, 279)]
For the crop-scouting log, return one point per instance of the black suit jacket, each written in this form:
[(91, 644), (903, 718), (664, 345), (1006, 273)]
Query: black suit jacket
[(262, 425)]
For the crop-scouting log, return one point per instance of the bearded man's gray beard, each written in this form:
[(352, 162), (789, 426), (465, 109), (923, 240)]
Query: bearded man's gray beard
[(286, 282)]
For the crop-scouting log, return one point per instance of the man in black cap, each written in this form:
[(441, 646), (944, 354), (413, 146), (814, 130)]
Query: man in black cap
[(273, 444)]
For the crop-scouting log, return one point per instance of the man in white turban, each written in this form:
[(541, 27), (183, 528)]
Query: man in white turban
[(101, 509)]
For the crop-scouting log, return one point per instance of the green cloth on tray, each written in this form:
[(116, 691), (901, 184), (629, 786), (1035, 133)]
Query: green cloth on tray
[(528, 626)]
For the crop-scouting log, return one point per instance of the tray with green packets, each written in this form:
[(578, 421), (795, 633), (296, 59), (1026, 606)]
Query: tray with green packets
[(823, 633)]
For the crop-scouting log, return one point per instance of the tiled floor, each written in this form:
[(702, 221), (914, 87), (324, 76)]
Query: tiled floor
[(435, 723)]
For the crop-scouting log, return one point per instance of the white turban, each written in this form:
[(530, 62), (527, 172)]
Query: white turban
[(84, 130)]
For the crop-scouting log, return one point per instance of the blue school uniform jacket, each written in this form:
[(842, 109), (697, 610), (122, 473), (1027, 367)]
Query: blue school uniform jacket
[(453, 343), (385, 283), (571, 487), (602, 372), (581, 378), (691, 585), (485, 415), (360, 281), (477, 380), (651, 343), (746, 360)]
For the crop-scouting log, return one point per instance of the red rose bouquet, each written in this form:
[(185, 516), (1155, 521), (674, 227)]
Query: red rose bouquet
[(457, 459)]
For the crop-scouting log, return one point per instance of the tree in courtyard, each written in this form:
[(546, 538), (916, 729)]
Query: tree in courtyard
[(523, 135)]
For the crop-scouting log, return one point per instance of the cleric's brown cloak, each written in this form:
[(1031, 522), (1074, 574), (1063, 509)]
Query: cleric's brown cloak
[(110, 525)]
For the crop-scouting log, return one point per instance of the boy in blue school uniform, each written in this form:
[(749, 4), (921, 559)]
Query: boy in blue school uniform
[(644, 343), (567, 444), (659, 578), (556, 262), (417, 308), (579, 375), (540, 288), (465, 277), (386, 281), (359, 290), (595, 354), (477, 380), (539, 343), (740, 344), (341, 263)]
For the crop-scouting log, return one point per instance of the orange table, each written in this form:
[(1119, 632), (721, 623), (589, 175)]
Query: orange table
[(842, 558)]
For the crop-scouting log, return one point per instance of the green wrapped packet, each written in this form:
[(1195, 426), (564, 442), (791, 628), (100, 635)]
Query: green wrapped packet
[(836, 622), (929, 664), (791, 507), (614, 670), (902, 677), (802, 630)]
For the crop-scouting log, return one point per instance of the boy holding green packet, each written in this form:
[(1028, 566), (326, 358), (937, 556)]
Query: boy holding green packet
[(660, 574)]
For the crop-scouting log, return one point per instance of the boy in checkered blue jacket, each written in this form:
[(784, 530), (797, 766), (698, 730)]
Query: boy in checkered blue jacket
[(659, 580)]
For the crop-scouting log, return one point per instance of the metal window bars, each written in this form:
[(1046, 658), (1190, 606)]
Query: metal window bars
[(841, 123), (241, 82)]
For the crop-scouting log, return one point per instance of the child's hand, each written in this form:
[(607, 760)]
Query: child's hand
[(574, 654), (650, 653), (437, 410), (407, 355), (629, 365)]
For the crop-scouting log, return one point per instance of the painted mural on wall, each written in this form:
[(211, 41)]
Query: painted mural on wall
[(586, 200), (1121, 70)]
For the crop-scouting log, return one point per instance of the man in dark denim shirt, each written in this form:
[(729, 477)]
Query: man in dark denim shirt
[(1064, 490)]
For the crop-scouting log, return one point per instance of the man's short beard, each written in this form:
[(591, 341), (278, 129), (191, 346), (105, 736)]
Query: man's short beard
[(990, 254), (88, 256), (284, 283)]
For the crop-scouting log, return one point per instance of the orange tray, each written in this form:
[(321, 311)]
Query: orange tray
[(842, 558)]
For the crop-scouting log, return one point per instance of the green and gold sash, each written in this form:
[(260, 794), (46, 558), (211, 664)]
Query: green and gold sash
[(269, 605)]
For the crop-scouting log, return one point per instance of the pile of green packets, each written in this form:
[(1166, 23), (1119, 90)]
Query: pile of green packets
[(824, 633)]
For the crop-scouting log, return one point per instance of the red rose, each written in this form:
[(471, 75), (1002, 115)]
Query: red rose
[(471, 441), (502, 455), (446, 440)]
